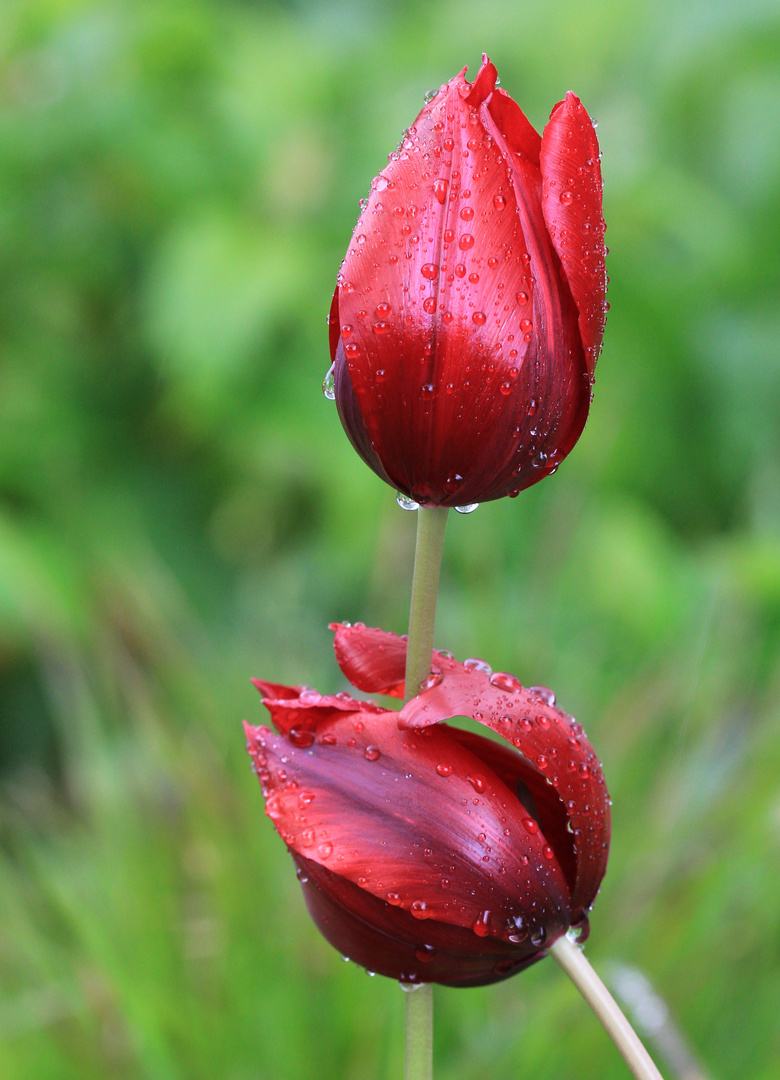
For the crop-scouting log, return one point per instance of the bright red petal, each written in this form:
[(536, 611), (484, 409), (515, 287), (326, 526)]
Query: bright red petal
[(571, 174), (516, 129), (416, 820), (373, 660), (459, 374), (554, 744)]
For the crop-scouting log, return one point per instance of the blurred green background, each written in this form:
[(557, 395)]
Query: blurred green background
[(179, 510)]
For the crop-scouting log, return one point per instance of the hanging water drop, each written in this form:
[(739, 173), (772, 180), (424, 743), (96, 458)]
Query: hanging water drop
[(329, 383), (469, 508), (405, 502)]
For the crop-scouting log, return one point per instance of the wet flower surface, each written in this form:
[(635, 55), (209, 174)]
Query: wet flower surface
[(470, 306), (426, 852)]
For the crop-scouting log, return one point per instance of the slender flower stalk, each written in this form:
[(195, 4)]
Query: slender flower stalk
[(431, 524), (418, 1059), (572, 959)]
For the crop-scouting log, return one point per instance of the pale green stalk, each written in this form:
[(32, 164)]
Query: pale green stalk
[(431, 523), (572, 959)]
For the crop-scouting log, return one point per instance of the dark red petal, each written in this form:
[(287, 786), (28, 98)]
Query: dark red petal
[(554, 744), (305, 710), (539, 797), (414, 819), (390, 941), (373, 660), (571, 175)]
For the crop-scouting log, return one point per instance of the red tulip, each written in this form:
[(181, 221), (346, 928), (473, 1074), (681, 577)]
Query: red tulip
[(425, 852), (470, 306)]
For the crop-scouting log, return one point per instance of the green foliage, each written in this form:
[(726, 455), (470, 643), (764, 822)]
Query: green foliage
[(179, 510)]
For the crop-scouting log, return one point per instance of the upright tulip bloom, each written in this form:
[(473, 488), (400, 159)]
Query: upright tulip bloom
[(470, 306), (427, 853)]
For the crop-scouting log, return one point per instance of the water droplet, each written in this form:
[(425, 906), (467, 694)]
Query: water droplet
[(579, 931), (566, 197), (405, 502), (300, 737), (479, 318), (481, 925), (429, 305), (467, 213), (325, 850), (307, 696), (466, 241), (474, 664), (372, 753), (329, 383), (538, 937), (429, 95), (425, 953), (543, 692), (502, 681), (381, 327), (419, 909), (393, 898), (531, 825), (468, 508), (477, 782), (444, 770), (440, 189), (430, 681), (449, 144), (499, 202), (474, 278)]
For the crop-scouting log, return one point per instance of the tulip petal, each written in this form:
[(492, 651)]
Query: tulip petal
[(390, 941), (358, 799), (483, 86), (299, 709), (539, 798), (459, 366), (572, 193), (372, 659), (554, 744), (516, 129)]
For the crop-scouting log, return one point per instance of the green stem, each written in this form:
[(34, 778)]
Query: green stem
[(572, 960), (419, 1032), (431, 523)]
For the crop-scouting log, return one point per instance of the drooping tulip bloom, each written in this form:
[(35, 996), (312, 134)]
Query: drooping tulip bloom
[(429, 853), (470, 306)]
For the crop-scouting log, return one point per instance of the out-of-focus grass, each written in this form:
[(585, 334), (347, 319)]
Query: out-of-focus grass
[(179, 510)]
